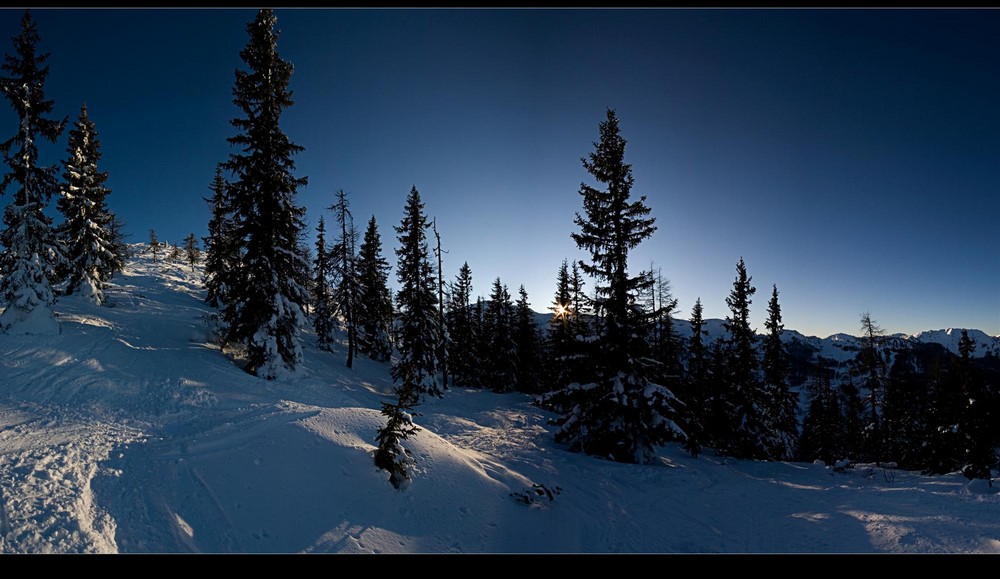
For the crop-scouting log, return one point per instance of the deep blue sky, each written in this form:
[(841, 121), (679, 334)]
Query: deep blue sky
[(852, 157)]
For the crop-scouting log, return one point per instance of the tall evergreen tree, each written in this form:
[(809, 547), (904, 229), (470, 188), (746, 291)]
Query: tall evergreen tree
[(854, 420), (743, 389), (482, 347), (462, 328), (416, 300), (322, 299), (560, 337), (31, 254), (346, 294), (823, 426), (578, 297), (697, 381), (90, 247), (976, 426), (620, 414), (499, 330), (191, 251), (870, 365), (116, 229), (263, 311), (414, 372), (780, 404), (374, 317), (528, 374), (221, 249)]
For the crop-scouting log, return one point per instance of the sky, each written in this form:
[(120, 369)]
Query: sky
[(851, 157)]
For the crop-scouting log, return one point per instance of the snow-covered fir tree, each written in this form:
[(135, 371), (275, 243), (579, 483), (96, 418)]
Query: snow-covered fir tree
[(374, 301), (191, 252), (498, 328), (416, 302), (221, 250), (263, 307), (175, 252), (343, 261), (619, 414), (746, 429), (31, 254), (390, 454), (780, 403), (464, 357), (414, 372), (91, 256), (322, 301), (528, 374)]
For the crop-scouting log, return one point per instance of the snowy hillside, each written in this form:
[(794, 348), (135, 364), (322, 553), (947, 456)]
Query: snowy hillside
[(131, 432)]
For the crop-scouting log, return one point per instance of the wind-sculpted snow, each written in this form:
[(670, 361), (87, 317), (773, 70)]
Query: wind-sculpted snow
[(130, 431)]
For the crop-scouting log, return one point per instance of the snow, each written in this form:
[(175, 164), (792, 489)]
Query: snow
[(130, 432)]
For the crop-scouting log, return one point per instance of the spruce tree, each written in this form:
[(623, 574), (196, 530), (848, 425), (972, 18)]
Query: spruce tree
[(175, 252), (823, 426), (221, 249), (619, 414), (116, 229), (976, 425), (191, 251), (482, 347), (747, 422), (697, 381), (559, 338), (416, 302), (390, 454), (464, 356), (414, 372), (779, 402), (499, 331), (321, 299), (374, 317), (854, 419), (528, 373), (344, 261), (154, 244), (264, 303), (31, 254), (91, 256)]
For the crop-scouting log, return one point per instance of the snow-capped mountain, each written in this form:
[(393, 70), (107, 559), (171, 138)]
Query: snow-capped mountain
[(842, 347)]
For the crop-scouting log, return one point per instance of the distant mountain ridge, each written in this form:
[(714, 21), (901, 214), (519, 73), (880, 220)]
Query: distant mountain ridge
[(842, 346)]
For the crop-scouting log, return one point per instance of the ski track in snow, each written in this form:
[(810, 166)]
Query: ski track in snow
[(131, 432)]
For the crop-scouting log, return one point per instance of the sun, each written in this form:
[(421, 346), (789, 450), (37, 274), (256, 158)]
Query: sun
[(562, 310)]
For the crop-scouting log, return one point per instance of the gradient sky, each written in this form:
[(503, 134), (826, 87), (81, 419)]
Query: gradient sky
[(852, 157)]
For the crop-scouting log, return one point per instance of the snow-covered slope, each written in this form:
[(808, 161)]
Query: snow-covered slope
[(985, 344), (131, 432)]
